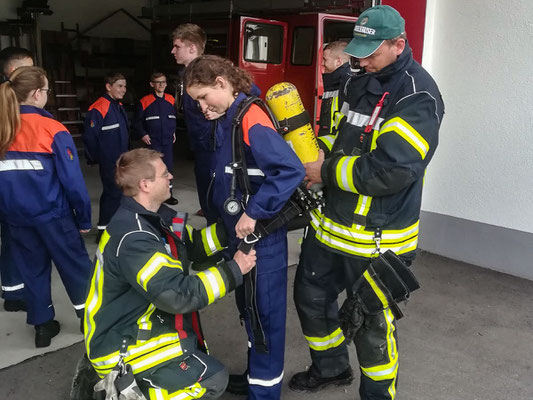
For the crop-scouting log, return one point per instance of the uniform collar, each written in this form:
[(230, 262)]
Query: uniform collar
[(227, 119), (333, 79), (27, 109), (164, 213), (112, 100), (402, 62)]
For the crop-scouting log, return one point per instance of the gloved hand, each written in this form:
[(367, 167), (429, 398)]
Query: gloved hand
[(350, 317)]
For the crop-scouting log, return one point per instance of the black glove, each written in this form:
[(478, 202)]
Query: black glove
[(350, 317)]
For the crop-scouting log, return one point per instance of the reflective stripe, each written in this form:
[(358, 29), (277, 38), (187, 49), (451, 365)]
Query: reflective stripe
[(154, 358), (358, 241), (328, 140), (406, 131), (20, 165), (79, 306), (210, 240), (362, 208), (190, 392), (152, 117), (152, 267), (344, 173), (156, 394), (330, 93), (381, 296), (144, 322), (213, 283), (251, 171), (108, 127), (172, 116), (13, 288), (327, 342), (360, 120), (266, 383)]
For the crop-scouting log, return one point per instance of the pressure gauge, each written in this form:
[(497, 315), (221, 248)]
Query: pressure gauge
[(232, 206)]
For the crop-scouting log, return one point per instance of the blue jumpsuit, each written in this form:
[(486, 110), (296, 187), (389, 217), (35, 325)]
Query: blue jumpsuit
[(12, 284), (274, 171), (106, 138), (156, 117), (45, 202)]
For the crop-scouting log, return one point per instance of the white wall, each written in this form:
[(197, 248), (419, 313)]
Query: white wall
[(480, 52)]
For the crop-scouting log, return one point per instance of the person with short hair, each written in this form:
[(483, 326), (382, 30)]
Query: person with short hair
[(373, 178), (141, 280), (105, 138), (155, 123), (43, 199), (13, 291)]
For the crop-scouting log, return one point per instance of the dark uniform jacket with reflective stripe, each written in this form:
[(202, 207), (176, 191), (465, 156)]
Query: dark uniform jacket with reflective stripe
[(40, 177), (137, 287), (375, 180), (330, 98), (105, 133), (156, 116)]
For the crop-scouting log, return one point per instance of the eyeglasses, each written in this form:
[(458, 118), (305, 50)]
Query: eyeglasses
[(47, 90), (159, 82)]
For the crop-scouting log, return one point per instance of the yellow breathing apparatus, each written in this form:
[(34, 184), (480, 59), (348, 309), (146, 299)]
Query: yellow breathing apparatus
[(286, 105)]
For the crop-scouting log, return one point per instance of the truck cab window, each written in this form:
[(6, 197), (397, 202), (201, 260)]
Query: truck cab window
[(263, 43), (302, 52)]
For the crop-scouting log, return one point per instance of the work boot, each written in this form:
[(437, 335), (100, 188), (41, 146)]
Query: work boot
[(238, 384), (45, 332), (84, 381), (14, 305), (171, 201), (311, 381)]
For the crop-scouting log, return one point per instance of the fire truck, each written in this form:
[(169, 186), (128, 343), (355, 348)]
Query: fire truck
[(274, 45)]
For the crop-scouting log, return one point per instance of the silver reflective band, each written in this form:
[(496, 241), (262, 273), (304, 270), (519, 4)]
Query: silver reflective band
[(332, 93), (262, 382), (172, 116), (153, 117), (79, 306), (12, 288), (360, 120), (108, 127), (20, 165), (213, 283), (251, 171)]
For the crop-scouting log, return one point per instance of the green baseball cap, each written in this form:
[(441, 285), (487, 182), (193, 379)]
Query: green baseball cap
[(373, 27)]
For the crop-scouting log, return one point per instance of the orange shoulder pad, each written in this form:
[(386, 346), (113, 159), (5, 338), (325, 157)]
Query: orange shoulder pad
[(169, 98), (255, 115), (36, 134), (147, 100), (102, 105)]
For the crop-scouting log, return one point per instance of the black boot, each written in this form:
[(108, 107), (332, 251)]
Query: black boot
[(14, 305), (84, 380), (171, 201), (311, 381), (45, 332), (238, 384)]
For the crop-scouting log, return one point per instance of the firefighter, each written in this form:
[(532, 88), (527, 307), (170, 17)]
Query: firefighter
[(336, 70), (105, 137), (274, 172), (373, 175), (12, 285), (43, 199), (189, 43), (138, 285), (155, 123)]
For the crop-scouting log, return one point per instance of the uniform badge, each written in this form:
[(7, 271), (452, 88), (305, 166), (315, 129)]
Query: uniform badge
[(70, 155), (184, 366), (364, 21), (92, 123)]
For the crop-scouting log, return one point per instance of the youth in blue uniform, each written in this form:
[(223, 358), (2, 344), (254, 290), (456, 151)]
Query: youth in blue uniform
[(105, 138), (43, 199), (274, 171), (12, 286), (155, 122)]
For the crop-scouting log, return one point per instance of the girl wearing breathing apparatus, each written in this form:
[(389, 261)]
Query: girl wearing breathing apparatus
[(273, 173)]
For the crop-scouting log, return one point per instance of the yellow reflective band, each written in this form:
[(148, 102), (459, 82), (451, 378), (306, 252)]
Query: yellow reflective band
[(381, 296), (328, 140), (155, 358), (94, 298), (152, 267), (327, 342), (390, 369), (190, 392), (406, 131), (157, 394), (190, 231), (363, 206), (210, 240), (344, 173), (213, 283), (144, 322)]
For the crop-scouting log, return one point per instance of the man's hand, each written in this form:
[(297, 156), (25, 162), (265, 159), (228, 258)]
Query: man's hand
[(146, 139), (245, 226), (211, 115), (312, 170), (85, 230), (245, 261)]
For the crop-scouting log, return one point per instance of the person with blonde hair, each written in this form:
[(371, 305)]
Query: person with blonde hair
[(43, 200)]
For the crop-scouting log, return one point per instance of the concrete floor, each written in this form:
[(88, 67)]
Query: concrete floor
[(467, 334)]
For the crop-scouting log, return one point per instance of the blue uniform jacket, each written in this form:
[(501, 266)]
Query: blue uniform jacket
[(273, 168), (106, 131), (156, 116), (40, 177)]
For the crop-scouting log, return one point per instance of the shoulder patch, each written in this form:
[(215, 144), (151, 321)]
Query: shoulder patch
[(101, 105), (254, 116), (147, 100), (169, 98)]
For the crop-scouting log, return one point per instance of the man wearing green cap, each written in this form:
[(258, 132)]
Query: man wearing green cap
[(373, 176)]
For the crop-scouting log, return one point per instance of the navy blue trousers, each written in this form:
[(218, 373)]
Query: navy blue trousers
[(265, 371), (34, 248), (12, 285), (111, 195)]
